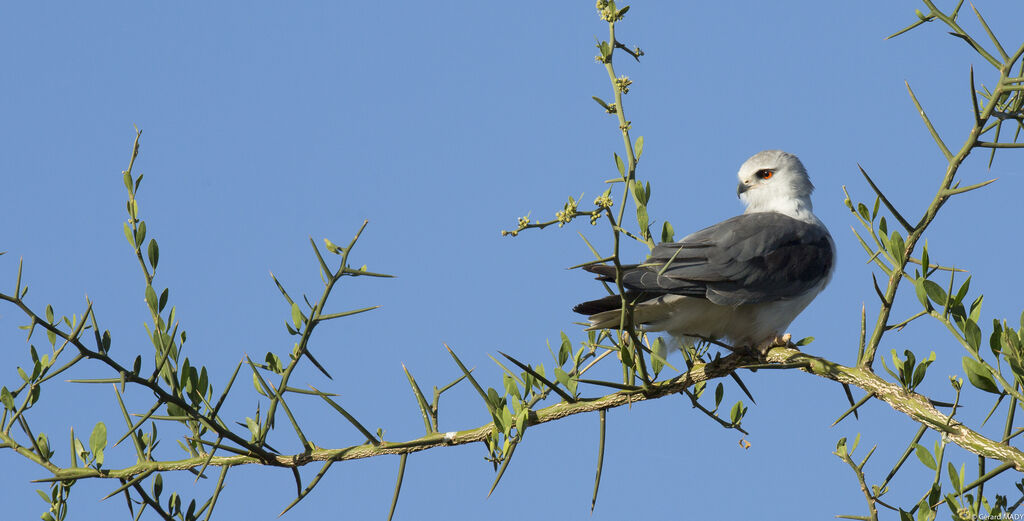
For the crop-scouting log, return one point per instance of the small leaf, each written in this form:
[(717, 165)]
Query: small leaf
[(979, 376), (151, 299), (667, 233), (897, 247), (972, 333), (863, 211), (127, 178), (620, 165), (805, 341), (154, 253), (639, 146), (920, 371), (640, 193), (976, 308), (641, 217), (257, 385), (561, 376), (925, 456), (140, 233), (935, 292), (128, 235), (954, 477), (254, 428), (737, 412), (994, 342), (98, 441), (601, 102), (719, 394), (296, 316), (922, 293), (7, 398), (964, 288), (331, 247)]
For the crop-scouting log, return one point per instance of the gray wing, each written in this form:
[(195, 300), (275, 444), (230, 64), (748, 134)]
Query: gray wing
[(750, 258)]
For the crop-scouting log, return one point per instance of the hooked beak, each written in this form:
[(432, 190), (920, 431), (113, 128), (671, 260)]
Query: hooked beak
[(740, 188)]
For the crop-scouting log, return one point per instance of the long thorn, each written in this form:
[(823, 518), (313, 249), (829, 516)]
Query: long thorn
[(600, 458), (928, 123), (885, 200), (398, 485)]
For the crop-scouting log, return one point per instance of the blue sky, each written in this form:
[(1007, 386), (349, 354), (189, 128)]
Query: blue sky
[(266, 123)]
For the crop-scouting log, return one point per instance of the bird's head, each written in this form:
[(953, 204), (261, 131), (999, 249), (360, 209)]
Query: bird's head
[(774, 180)]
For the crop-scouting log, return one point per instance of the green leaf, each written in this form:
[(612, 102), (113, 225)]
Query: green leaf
[(994, 340), (921, 369), (640, 193), (127, 178), (979, 376), (641, 217), (296, 316), (331, 247), (128, 235), (7, 398), (140, 233), (954, 478), (667, 233), (602, 103), (863, 211), (639, 146), (897, 247), (964, 288), (154, 253), (972, 333), (805, 341), (98, 441), (935, 292), (922, 293), (254, 428), (719, 394), (151, 299), (908, 366), (256, 384), (561, 376), (564, 350), (620, 165), (925, 456), (273, 362), (163, 299), (737, 412), (976, 308)]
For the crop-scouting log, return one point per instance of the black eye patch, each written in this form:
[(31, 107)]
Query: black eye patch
[(765, 173)]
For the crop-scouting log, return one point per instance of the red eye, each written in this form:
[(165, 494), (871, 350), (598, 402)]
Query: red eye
[(765, 173)]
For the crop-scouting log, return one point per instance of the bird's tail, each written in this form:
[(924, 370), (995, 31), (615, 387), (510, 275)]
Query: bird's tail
[(606, 313)]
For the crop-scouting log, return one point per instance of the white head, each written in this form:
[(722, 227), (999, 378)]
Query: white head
[(775, 181)]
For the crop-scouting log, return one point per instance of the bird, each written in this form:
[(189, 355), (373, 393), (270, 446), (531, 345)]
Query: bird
[(744, 279)]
